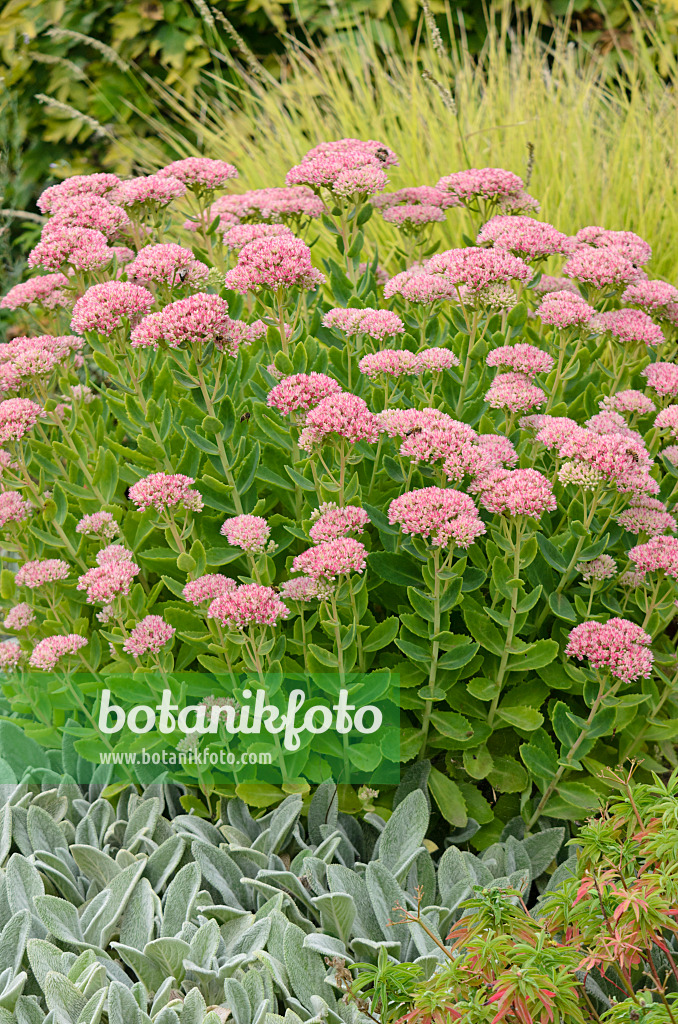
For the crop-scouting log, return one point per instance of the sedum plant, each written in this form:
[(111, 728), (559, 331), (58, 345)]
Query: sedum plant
[(446, 484)]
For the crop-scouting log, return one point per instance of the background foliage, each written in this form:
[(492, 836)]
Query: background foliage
[(82, 81)]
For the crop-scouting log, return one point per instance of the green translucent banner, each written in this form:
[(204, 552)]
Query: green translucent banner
[(202, 729)]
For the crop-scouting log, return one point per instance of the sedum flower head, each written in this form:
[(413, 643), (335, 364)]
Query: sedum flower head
[(441, 514), (40, 571), (105, 308), (77, 185), (602, 568), (338, 416), (98, 524), (618, 645), (19, 617), (301, 391), (149, 636), (249, 605), (165, 490), (49, 652), (331, 559), (206, 588), (251, 533), (332, 522)]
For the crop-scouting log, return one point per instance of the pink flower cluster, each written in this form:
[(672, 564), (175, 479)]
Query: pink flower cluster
[(609, 422), (659, 554), (602, 568), (104, 308), (37, 573), (10, 655), (21, 616), (628, 244), (375, 323), (148, 192), (167, 263), (251, 533), (13, 508), (23, 359), (477, 268), (435, 360), (149, 636), (48, 652), (268, 205), (338, 416), (105, 582), (547, 283), (662, 378), (667, 419), (202, 319), (487, 183), (206, 588), (47, 291), (88, 211), (514, 392), (523, 236), (388, 363), (628, 401), (332, 522), (200, 173), (77, 185), (402, 422), (522, 358), (369, 148), (620, 460), (656, 297), (277, 263), (432, 436), (631, 326), (248, 605), (349, 168), (17, 417), (242, 234), (301, 391), (304, 589), (163, 491), (516, 492), (82, 248), (398, 362), (414, 215), (618, 645), (444, 515), (357, 183), (331, 559), (565, 309), (647, 515), (113, 553), (600, 268), (98, 524), (418, 286)]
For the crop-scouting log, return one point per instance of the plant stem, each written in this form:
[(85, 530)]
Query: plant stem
[(435, 649), (219, 442), (564, 765), (511, 624), (467, 366)]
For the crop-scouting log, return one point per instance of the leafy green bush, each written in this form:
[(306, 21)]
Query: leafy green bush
[(475, 629), (602, 944)]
